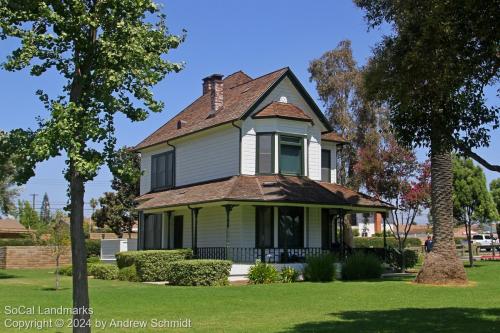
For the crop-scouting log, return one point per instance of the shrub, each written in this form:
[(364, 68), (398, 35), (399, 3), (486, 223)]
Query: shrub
[(361, 266), (128, 273), (153, 265), (378, 242), (289, 275), (93, 260), (67, 271), (199, 272), (319, 268), (411, 258), (93, 247), (17, 242), (105, 271), (262, 272)]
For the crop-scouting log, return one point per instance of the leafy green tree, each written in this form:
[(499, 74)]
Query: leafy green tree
[(340, 86), (28, 217), (114, 214), (110, 54), (431, 71), (58, 239), (45, 215), (495, 192), (8, 191), (472, 203)]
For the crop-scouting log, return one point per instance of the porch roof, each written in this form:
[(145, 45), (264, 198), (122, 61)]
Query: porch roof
[(263, 188)]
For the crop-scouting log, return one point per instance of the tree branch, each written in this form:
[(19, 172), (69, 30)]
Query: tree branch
[(479, 159)]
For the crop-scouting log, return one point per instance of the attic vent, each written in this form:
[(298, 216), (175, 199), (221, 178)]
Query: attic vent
[(181, 124), (283, 99), (269, 184)]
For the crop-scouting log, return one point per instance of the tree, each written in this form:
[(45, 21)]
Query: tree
[(118, 209), (93, 204), (58, 240), (472, 203), (393, 174), (28, 217), (8, 191), (431, 72), (495, 192), (340, 87), (45, 215), (110, 54)]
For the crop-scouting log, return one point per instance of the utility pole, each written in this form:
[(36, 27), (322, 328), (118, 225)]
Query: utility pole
[(34, 195)]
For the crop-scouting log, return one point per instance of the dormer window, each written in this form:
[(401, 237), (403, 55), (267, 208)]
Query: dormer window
[(162, 171), (291, 155)]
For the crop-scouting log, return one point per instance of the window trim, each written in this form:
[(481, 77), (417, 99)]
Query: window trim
[(257, 149), (155, 156), (302, 155)]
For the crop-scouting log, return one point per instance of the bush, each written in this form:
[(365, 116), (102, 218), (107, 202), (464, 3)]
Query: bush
[(67, 271), (104, 271), (152, 265), (93, 247), (17, 242), (93, 260), (378, 242), (128, 273), (262, 272), (361, 266), (411, 258), (289, 275), (319, 268), (199, 272)]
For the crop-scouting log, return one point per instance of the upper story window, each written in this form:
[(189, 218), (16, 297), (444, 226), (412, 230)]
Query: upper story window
[(291, 159), (265, 153), (162, 171), (326, 165)]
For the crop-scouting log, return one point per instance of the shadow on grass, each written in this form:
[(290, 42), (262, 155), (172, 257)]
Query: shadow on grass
[(4, 275), (409, 320), (53, 289)]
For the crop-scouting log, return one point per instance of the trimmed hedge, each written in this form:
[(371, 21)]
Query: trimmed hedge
[(17, 242), (104, 271), (199, 272), (360, 266), (379, 242), (93, 247), (319, 268), (128, 273), (152, 265), (411, 258), (262, 273)]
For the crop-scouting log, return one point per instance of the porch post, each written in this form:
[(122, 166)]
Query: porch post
[(384, 218), (140, 233), (195, 212), (228, 208), (169, 220)]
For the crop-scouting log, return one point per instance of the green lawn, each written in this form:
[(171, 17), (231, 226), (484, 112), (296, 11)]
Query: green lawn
[(379, 306)]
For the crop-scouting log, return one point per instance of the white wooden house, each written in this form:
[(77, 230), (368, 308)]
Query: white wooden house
[(247, 171)]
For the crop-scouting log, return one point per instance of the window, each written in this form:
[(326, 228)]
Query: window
[(291, 155), (152, 232), (477, 237), (265, 153), (326, 163), (291, 227), (264, 227), (162, 171)]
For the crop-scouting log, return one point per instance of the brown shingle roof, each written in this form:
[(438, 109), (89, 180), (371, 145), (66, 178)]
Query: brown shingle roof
[(331, 136), (240, 93), (282, 110), (271, 188)]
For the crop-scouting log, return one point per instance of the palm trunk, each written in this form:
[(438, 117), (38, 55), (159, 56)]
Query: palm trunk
[(79, 256), (441, 265)]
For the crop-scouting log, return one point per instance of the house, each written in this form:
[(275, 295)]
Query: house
[(10, 228), (247, 171)]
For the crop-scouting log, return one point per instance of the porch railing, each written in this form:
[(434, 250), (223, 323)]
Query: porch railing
[(251, 254)]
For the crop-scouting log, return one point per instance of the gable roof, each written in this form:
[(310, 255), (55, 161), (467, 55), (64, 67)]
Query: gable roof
[(282, 110), (334, 137), (242, 95), (262, 188)]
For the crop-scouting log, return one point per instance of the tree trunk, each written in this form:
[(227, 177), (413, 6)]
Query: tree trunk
[(81, 317), (441, 265), (402, 251), (58, 278), (468, 231)]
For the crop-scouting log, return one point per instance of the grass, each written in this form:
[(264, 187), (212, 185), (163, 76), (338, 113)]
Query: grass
[(395, 305)]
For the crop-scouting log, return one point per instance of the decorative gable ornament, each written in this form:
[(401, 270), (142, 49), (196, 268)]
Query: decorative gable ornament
[(283, 99)]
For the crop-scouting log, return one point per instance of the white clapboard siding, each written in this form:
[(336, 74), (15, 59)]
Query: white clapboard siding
[(332, 146), (207, 157), (314, 227)]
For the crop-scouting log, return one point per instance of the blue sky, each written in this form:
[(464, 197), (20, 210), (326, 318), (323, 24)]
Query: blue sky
[(222, 37)]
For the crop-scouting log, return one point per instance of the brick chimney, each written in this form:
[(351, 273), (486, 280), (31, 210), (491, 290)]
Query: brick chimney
[(214, 86)]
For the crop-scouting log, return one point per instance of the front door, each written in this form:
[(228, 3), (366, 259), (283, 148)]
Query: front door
[(178, 230)]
